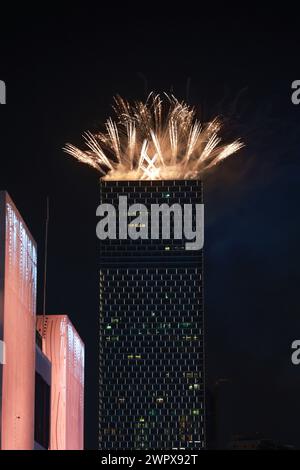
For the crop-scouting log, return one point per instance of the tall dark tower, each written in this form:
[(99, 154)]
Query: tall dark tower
[(151, 331)]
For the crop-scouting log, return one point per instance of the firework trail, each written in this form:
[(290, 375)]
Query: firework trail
[(158, 139)]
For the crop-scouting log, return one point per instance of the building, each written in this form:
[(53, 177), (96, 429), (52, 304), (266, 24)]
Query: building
[(151, 331), (65, 350), (18, 281), (257, 442), (211, 418), (219, 414), (41, 378)]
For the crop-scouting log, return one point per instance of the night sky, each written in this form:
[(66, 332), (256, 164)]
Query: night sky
[(61, 72)]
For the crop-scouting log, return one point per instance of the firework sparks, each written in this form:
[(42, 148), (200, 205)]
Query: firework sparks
[(159, 139)]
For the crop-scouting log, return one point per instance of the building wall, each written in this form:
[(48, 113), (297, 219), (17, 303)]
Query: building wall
[(64, 348), (18, 272), (151, 331)]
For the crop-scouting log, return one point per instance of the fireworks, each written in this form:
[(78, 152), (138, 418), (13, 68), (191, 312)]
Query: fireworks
[(160, 139)]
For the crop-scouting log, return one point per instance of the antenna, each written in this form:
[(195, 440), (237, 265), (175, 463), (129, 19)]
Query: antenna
[(45, 261)]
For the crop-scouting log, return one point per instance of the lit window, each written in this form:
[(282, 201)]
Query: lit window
[(184, 325), (136, 225), (114, 338), (194, 387)]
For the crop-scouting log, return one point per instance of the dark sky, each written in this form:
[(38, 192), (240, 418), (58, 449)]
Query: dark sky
[(61, 72)]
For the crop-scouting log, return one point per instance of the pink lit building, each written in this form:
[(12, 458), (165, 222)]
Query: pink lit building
[(41, 375), (65, 350), (18, 278)]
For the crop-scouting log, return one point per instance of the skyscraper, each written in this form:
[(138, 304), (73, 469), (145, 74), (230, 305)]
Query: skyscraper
[(151, 330), (18, 277), (65, 349)]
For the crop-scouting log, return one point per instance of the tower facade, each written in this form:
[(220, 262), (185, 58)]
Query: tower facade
[(65, 349), (18, 278), (151, 330)]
